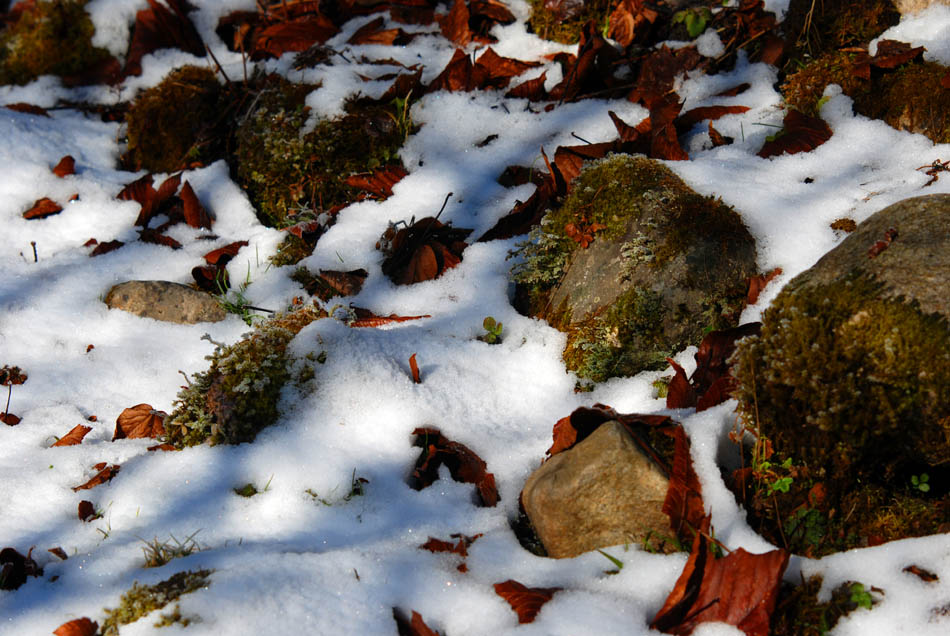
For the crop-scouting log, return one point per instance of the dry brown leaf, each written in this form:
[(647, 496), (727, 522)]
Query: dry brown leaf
[(195, 214), (43, 208), (66, 166), (138, 421), (525, 601), (78, 627), (74, 436), (106, 473)]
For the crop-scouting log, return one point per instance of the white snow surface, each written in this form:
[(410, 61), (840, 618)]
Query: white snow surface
[(284, 563)]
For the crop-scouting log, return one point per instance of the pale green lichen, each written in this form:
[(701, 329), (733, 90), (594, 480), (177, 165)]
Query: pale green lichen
[(141, 600), (238, 395)]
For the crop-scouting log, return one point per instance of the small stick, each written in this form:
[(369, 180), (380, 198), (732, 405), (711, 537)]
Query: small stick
[(35, 258)]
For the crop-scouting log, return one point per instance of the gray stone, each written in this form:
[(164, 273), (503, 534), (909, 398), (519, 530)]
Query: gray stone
[(604, 491), (166, 301)]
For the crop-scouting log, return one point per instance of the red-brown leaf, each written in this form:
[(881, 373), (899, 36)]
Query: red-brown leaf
[(891, 54), (195, 214), (87, 511), (366, 318), (680, 393), (532, 89), (684, 499), (716, 137), (78, 627), (58, 552), (30, 109), (9, 419), (456, 76), (924, 575), (160, 28), (66, 166), (14, 568), (105, 248), (631, 21), (222, 255), (140, 420), (664, 143), (292, 36), (380, 182), (494, 71), (106, 473), (739, 589), (525, 601), (758, 283), (454, 26), (801, 133), (373, 33), (695, 115), (460, 547), (148, 235), (412, 627), (414, 368), (74, 436), (43, 208), (463, 464)]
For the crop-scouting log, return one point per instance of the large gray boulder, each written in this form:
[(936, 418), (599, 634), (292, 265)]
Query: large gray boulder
[(166, 301), (602, 492)]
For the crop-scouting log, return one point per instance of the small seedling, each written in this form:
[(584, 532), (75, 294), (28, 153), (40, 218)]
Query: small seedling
[(617, 562), (492, 329), (861, 596), (158, 553), (921, 482), (695, 19), (8, 377), (249, 489), (240, 305)]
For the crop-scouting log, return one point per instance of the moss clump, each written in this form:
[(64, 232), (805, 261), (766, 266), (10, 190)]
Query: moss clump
[(798, 612), (804, 89), (292, 175), (854, 389), (563, 21), (177, 122), (813, 28), (237, 396), (634, 266), (144, 599), (49, 37)]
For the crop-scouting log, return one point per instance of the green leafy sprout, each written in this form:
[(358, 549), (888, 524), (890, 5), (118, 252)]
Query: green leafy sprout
[(921, 482), (695, 19), (492, 333)]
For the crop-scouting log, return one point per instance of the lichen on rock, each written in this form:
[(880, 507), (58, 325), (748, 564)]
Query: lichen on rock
[(238, 395), (634, 266)]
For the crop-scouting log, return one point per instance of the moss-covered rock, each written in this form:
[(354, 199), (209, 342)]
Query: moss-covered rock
[(49, 37), (141, 600), (292, 174), (813, 28), (237, 396), (563, 20), (849, 381), (634, 266), (177, 122)]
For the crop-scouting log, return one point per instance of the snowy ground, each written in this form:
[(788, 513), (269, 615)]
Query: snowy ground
[(284, 563)]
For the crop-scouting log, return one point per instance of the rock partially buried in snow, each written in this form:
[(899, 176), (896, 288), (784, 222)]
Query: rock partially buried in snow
[(604, 491), (635, 266), (166, 301), (850, 380), (916, 6)]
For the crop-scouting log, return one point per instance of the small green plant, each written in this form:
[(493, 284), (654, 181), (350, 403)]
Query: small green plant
[(492, 329), (158, 553), (357, 489), (240, 305), (144, 599), (249, 489), (694, 18), (861, 596), (921, 482), (617, 562)]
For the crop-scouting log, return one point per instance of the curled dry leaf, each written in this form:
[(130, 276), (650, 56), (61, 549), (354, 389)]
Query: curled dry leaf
[(43, 208), (105, 248), (106, 473), (924, 575), (161, 27), (460, 547), (222, 255), (366, 318), (30, 109), (58, 552), (78, 627), (525, 601), (14, 568), (801, 133), (414, 368), (684, 498), (65, 167), (421, 251), (413, 626), (378, 183), (758, 283), (12, 376), (195, 214), (74, 436), (463, 464), (140, 420), (87, 511)]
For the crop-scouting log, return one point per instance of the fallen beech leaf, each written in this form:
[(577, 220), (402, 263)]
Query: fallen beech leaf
[(9, 419), (892, 53), (679, 393), (162, 447), (222, 255), (591, 73), (924, 575), (525, 601), (373, 33), (78, 627), (801, 133), (43, 208), (583, 421), (151, 200), (454, 25), (292, 36), (160, 28), (366, 318), (456, 76), (532, 89), (66, 166), (735, 90), (463, 464), (58, 552), (87, 511), (138, 421), (74, 436), (414, 367), (658, 71), (421, 251), (414, 626), (460, 547), (716, 137), (148, 235), (14, 568), (631, 21), (494, 71), (664, 143), (693, 116), (30, 109), (758, 283), (105, 248), (380, 182), (195, 214), (739, 589), (684, 495), (106, 473)]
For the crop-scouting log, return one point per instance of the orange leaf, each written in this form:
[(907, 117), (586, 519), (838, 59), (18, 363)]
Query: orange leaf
[(454, 26), (758, 283), (414, 367), (380, 182), (159, 28), (58, 552), (631, 21), (195, 213), (140, 420), (222, 255), (66, 166), (525, 601), (460, 547), (78, 627), (366, 318), (30, 109), (463, 464), (74, 436), (106, 473), (43, 208), (684, 499), (412, 627), (739, 589)]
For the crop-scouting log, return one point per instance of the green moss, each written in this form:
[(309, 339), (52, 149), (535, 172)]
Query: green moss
[(856, 389), (238, 395), (804, 89), (551, 24), (144, 599), (177, 122), (815, 28), (291, 250), (798, 612), (51, 37), (292, 175)]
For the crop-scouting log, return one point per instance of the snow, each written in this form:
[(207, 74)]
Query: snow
[(284, 562)]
